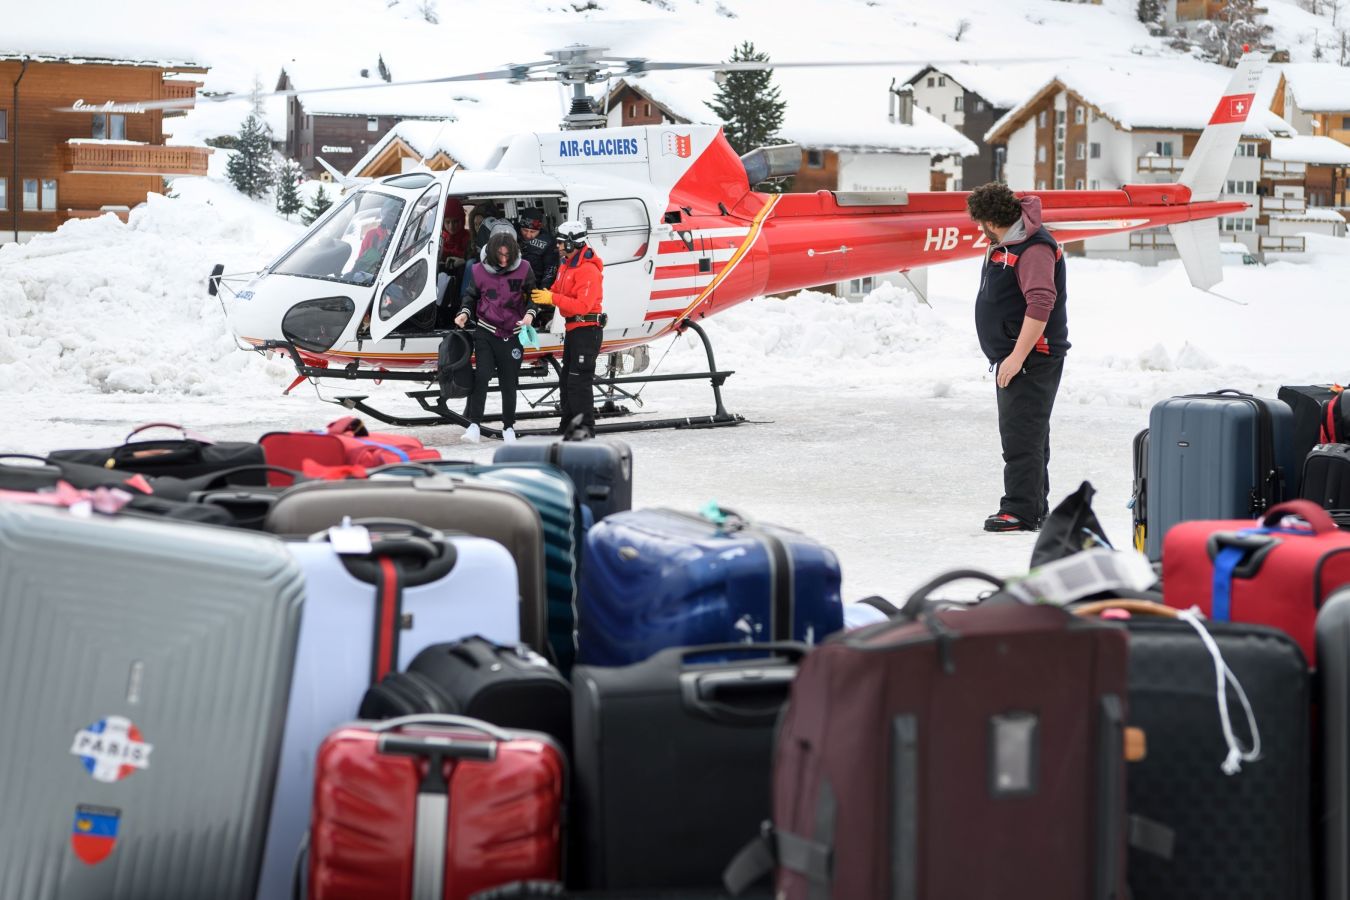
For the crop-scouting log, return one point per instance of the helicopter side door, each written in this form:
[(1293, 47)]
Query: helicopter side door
[(620, 232), (409, 282)]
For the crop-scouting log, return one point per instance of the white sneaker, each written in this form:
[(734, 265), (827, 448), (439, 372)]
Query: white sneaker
[(472, 434), (509, 435)]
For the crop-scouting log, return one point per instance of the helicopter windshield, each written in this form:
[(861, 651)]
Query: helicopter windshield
[(351, 244)]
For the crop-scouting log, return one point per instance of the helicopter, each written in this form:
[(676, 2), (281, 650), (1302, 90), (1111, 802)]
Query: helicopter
[(672, 213)]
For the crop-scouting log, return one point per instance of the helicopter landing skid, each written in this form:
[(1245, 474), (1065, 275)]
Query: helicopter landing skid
[(609, 387)]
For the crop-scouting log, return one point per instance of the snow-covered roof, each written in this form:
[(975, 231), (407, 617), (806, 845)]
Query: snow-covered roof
[(1319, 87), (1314, 149), (469, 144), (146, 57), (681, 103), (1003, 86), (1151, 93), (1312, 214), (839, 110)]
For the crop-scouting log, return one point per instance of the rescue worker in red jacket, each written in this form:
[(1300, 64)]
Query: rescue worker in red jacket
[(577, 294)]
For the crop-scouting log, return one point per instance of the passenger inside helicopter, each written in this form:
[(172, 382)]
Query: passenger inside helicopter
[(350, 244)]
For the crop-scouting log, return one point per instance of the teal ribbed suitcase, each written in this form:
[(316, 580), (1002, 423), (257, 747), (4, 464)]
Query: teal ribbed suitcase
[(552, 493)]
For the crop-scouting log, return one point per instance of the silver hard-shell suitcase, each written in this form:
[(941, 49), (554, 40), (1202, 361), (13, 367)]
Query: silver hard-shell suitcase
[(144, 671)]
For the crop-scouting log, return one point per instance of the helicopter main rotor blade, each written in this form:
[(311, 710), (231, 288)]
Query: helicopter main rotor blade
[(638, 66)]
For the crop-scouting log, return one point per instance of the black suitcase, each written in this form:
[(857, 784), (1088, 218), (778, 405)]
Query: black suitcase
[(1139, 492), (512, 687), (1311, 404), (1326, 478), (185, 457), (1244, 836), (139, 494), (673, 763), (601, 468)]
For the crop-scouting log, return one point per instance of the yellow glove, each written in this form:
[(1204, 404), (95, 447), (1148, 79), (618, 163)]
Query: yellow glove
[(542, 297)]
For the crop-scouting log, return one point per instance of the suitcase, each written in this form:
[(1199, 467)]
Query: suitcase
[(62, 484), (1326, 478), (1320, 416), (434, 807), (656, 578), (345, 442), (1265, 572), (982, 755), (601, 468), (1223, 455), (146, 671), (692, 741), (552, 494), (1220, 848), (358, 627), (188, 456), (443, 503), (506, 685), (1333, 681), (1139, 492)]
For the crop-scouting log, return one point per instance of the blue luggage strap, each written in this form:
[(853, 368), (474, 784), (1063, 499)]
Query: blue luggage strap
[(1226, 563)]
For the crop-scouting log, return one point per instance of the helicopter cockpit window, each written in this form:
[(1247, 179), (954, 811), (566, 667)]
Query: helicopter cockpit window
[(420, 228), (351, 243), (619, 229), (410, 182)]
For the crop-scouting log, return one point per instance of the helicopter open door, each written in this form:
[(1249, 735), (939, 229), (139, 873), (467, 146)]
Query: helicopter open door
[(409, 282), (620, 232)]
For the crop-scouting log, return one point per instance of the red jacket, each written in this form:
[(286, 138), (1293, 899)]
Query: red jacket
[(577, 291)]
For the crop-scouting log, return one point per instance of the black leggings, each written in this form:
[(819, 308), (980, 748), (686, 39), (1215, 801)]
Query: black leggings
[(1024, 408), (494, 356)]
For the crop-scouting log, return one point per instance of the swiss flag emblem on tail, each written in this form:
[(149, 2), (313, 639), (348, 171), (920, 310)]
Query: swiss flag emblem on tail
[(1233, 109), (681, 145)]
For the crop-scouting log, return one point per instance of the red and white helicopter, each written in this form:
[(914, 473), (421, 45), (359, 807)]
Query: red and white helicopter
[(671, 211)]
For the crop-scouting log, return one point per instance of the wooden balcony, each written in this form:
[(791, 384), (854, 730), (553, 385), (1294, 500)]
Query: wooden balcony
[(1278, 170), (1152, 163), (1151, 240), (133, 159), (1282, 205), (1282, 243), (180, 90)]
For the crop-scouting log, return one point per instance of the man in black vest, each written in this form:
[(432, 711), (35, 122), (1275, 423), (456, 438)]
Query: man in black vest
[(1023, 327)]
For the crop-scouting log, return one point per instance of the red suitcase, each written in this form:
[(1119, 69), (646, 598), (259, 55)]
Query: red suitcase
[(345, 442), (433, 808), (1263, 572)]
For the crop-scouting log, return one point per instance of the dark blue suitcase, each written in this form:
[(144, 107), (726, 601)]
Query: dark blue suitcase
[(1225, 455), (601, 468), (656, 578)]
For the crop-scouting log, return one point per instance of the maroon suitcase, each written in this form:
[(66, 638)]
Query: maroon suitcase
[(968, 753)]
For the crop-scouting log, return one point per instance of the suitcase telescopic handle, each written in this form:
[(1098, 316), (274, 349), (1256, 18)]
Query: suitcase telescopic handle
[(738, 697), (491, 731), (417, 529)]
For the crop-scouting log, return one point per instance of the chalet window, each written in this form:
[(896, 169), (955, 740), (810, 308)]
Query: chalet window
[(49, 195), (372, 124), (1059, 182), (632, 110), (1246, 149), (1096, 185), (646, 109), (931, 81), (109, 127), (979, 106), (1163, 148), (1078, 115), (4, 124), (1094, 150), (1040, 153), (1040, 184), (815, 159), (1080, 151), (30, 194), (1078, 184), (1059, 117), (942, 81), (960, 103), (1040, 120), (4, 194), (862, 285)]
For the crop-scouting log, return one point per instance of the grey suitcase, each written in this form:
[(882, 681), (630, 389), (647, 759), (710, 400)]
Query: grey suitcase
[(1225, 455), (441, 502), (145, 676)]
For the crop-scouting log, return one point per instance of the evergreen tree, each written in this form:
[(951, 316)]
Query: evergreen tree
[(748, 104), (288, 194), (250, 169), (317, 207), (1234, 26), (1150, 12)]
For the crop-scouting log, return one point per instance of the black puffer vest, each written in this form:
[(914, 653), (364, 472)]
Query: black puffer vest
[(1000, 306)]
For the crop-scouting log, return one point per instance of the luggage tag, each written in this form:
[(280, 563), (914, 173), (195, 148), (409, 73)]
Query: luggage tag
[(1091, 572), (350, 540)]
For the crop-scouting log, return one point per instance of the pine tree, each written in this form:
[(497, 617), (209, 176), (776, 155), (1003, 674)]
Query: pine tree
[(1234, 26), (1150, 12), (250, 169), (288, 194), (748, 104), (318, 205)]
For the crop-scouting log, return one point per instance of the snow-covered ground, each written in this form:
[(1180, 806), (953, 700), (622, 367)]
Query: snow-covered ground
[(873, 423)]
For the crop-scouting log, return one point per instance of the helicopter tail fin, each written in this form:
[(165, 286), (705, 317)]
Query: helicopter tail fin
[(1198, 242), (346, 181)]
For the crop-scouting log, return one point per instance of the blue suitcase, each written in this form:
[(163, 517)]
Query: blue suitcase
[(601, 468), (1225, 455), (656, 578)]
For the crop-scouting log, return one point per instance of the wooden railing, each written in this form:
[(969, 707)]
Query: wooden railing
[(1283, 204), (1283, 171), (1162, 163), (135, 159), (181, 90), (1151, 240), (1282, 243)]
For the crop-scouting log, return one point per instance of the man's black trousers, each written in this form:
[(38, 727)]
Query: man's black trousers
[(494, 356), (581, 348), (1024, 426)]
